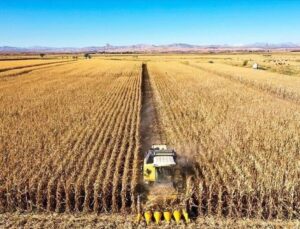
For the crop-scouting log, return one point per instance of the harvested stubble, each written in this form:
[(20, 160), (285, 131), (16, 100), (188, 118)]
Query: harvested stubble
[(18, 64), (245, 142), (279, 85), (65, 221)]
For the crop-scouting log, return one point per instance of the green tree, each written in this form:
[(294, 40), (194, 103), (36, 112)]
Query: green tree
[(87, 56)]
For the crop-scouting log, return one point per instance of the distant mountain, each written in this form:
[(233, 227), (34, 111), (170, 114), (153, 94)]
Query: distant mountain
[(176, 47), (12, 49), (273, 46)]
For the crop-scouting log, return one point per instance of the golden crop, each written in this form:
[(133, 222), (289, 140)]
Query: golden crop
[(70, 136), (244, 141)]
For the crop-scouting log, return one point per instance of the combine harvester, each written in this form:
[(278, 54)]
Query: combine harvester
[(165, 181)]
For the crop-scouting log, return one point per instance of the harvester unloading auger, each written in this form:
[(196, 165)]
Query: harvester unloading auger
[(165, 193)]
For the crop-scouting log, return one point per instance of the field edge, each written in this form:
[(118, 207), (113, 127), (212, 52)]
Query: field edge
[(83, 220)]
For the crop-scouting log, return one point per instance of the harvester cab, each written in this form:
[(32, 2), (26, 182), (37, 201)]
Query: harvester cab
[(158, 164)]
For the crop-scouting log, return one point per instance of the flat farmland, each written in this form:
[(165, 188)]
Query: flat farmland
[(66, 133), (236, 135), (72, 135)]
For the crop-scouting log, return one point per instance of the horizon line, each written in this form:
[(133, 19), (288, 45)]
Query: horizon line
[(153, 44)]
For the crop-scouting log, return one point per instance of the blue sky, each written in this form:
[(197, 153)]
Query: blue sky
[(88, 23)]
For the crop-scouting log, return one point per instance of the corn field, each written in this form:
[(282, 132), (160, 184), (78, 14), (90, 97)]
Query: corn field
[(245, 142), (70, 135)]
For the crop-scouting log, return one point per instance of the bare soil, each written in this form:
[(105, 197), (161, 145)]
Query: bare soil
[(149, 128)]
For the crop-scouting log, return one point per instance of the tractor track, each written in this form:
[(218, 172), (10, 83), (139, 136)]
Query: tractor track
[(31, 65), (149, 129), (26, 71)]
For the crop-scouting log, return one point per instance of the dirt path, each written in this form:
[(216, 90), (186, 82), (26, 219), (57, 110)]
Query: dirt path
[(149, 129)]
